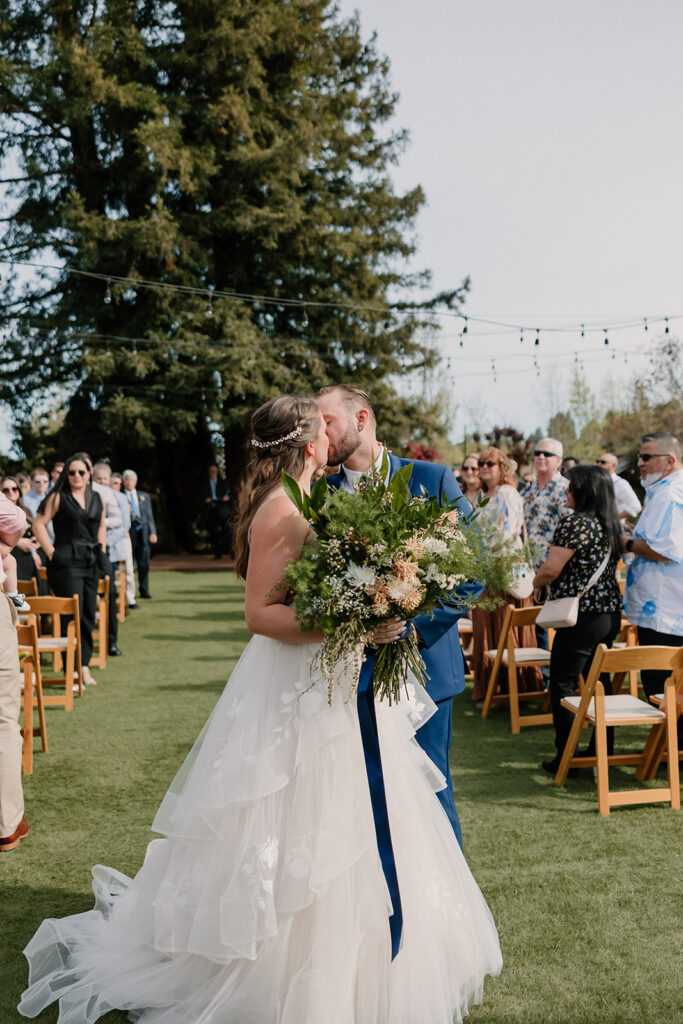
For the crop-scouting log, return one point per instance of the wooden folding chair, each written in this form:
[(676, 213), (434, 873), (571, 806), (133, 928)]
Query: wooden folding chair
[(100, 634), (627, 637), (622, 709), (27, 637), (655, 748), (514, 658), (29, 588), (465, 634), (42, 572), (69, 646), (121, 603)]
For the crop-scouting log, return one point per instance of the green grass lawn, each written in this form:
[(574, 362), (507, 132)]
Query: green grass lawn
[(588, 908)]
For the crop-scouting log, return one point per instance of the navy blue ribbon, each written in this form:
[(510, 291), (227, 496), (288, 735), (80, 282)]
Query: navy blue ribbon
[(373, 767)]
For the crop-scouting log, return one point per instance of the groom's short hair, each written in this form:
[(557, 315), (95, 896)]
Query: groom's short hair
[(352, 397)]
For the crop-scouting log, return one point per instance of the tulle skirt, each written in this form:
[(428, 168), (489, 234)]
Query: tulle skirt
[(266, 903)]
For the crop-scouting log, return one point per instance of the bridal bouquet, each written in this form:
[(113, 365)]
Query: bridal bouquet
[(381, 553)]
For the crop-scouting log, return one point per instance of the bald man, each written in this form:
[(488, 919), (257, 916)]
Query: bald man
[(628, 505)]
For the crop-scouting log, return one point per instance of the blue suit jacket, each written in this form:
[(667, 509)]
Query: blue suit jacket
[(442, 652)]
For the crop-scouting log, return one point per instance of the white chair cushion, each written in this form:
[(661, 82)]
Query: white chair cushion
[(618, 706), (52, 643), (524, 654)]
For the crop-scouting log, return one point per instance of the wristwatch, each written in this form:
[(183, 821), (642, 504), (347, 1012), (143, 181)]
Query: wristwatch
[(629, 544)]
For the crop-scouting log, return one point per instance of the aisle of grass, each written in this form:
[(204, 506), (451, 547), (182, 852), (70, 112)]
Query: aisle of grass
[(588, 909)]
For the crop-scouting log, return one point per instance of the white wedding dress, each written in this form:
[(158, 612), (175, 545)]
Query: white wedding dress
[(266, 902)]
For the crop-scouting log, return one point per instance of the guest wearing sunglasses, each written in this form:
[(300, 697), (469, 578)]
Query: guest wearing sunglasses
[(545, 503), (40, 481), (77, 514), (26, 552), (501, 519), (653, 598), (469, 479)]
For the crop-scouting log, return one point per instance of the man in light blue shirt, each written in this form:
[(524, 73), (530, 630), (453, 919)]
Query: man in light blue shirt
[(653, 597), (39, 485)]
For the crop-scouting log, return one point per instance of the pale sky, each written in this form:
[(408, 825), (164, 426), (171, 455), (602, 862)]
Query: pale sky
[(548, 138)]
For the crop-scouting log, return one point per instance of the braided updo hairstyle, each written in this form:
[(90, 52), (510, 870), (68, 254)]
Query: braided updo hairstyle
[(281, 429)]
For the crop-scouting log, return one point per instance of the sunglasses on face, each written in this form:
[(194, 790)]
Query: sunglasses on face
[(469, 469), (40, 480), (646, 456), (10, 490), (77, 472), (601, 462), (489, 465), (547, 455)]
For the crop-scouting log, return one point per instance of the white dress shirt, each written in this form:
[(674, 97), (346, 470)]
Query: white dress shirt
[(350, 477), (625, 497), (654, 590)]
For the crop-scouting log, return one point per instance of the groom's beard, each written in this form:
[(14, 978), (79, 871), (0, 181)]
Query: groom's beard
[(343, 449)]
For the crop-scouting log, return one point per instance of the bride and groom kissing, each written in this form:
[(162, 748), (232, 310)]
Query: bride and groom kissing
[(311, 871)]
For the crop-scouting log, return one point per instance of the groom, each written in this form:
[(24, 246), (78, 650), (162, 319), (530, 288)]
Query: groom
[(350, 424)]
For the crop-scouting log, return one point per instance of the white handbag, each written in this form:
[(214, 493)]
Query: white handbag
[(522, 578), (560, 612), (521, 581)]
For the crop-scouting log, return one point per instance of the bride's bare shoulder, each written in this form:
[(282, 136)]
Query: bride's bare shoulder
[(277, 515)]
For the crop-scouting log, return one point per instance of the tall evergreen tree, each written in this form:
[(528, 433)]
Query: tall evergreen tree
[(182, 151)]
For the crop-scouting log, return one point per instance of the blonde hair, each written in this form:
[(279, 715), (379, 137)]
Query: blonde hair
[(506, 474), (282, 427)]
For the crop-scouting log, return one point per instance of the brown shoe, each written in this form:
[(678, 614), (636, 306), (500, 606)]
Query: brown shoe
[(12, 841)]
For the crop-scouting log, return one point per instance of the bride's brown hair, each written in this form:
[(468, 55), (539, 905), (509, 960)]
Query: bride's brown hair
[(280, 429)]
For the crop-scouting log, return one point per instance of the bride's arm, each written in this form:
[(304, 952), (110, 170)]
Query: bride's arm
[(278, 533)]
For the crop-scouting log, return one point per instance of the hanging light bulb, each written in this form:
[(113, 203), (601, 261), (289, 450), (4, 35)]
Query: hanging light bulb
[(209, 307), (666, 321), (583, 331), (521, 335), (465, 328), (461, 340), (645, 323), (304, 318), (537, 340), (107, 295), (606, 336)]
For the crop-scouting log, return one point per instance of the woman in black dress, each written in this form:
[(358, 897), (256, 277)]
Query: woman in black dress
[(580, 543), (77, 516), (25, 551)]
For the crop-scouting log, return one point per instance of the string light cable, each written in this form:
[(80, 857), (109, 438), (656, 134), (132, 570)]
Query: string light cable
[(585, 326)]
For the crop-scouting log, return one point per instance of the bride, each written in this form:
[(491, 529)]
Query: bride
[(266, 902)]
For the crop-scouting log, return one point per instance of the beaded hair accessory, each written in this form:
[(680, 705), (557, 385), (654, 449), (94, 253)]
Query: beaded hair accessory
[(278, 440)]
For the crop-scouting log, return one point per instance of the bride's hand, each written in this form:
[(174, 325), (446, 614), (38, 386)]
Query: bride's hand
[(390, 631)]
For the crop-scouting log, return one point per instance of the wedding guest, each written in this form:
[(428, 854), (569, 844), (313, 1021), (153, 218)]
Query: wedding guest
[(653, 598), (26, 552), (40, 482), (55, 473), (502, 519), (143, 532), (77, 513), (215, 494), (24, 483), (628, 504), (568, 462), (113, 521), (469, 477), (13, 824), (580, 544), (127, 547), (545, 502)]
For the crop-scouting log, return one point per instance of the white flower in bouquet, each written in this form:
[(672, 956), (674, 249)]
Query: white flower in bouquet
[(434, 546), (360, 575)]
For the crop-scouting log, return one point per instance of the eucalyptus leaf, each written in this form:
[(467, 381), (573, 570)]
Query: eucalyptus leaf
[(292, 490)]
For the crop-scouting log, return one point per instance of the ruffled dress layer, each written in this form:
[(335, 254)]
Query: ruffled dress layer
[(266, 902)]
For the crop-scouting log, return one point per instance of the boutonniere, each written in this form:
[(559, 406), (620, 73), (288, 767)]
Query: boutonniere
[(141, 497)]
